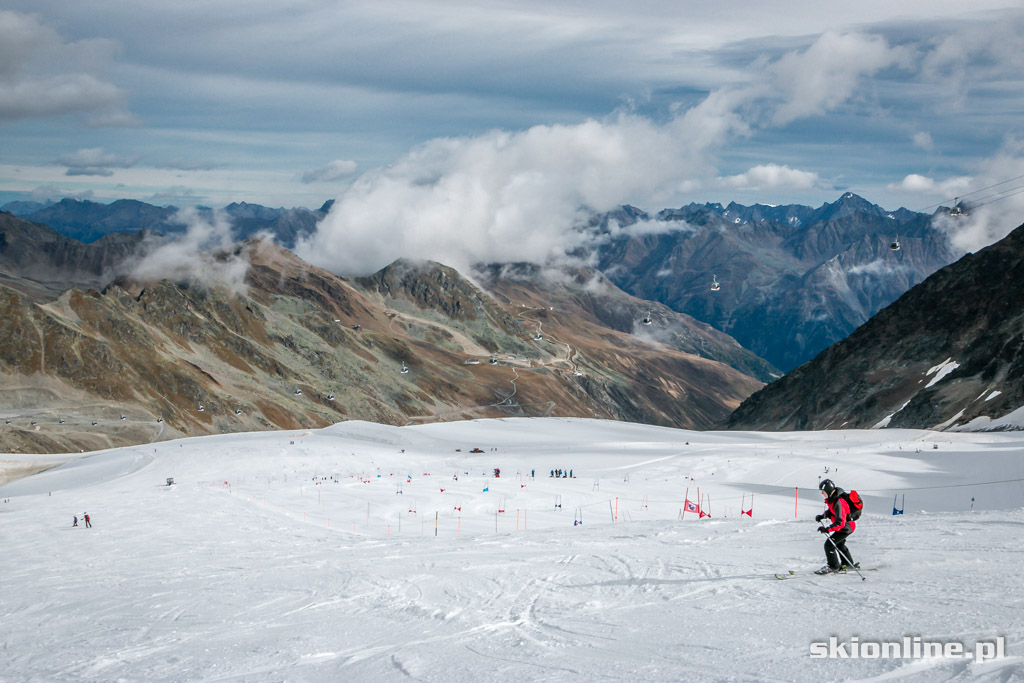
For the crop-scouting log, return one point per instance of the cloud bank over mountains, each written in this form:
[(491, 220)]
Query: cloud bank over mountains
[(524, 196), (907, 104)]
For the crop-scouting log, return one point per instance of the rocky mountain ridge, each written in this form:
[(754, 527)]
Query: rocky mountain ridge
[(94, 366), (88, 221), (791, 280), (947, 354)]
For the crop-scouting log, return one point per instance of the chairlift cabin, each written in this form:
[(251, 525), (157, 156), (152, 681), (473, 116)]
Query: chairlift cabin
[(298, 392), (202, 408), (238, 411), (330, 397), (538, 336), (493, 361), (895, 245), (405, 369), (714, 284), (956, 210), (647, 319)]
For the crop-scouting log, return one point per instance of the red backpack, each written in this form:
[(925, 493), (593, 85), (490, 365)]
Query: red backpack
[(854, 501)]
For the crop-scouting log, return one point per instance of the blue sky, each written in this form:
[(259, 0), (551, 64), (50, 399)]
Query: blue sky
[(508, 110)]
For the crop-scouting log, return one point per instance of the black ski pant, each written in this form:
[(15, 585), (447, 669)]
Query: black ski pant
[(837, 559)]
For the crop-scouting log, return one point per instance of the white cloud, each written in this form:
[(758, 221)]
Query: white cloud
[(89, 170), (501, 196), (828, 72), (993, 209), (94, 161), (974, 54), (43, 75), (521, 196), (336, 170), (920, 184), (877, 268), (44, 193), (199, 255), (773, 176), (923, 140), (63, 94)]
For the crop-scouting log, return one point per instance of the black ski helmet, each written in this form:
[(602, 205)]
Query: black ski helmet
[(827, 486)]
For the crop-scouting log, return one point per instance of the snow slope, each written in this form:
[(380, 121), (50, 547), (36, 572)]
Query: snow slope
[(335, 555)]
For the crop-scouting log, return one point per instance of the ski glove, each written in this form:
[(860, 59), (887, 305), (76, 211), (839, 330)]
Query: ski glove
[(818, 518), (822, 530)]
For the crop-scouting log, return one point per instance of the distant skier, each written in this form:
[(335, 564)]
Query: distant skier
[(88, 521), (837, 555), (75, 523)]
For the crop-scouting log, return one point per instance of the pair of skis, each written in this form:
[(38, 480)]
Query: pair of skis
[(791, 574)]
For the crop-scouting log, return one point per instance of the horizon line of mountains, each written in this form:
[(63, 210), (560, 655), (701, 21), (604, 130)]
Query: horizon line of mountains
[(87, 220), (784, 260), (795, 281)]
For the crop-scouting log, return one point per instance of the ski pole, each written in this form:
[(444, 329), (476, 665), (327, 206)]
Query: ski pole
[(848, 562)]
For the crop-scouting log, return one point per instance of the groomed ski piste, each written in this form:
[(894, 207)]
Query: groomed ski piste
[(340, 554)]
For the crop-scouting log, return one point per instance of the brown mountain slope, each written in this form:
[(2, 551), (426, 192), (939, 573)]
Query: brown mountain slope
[(302, 348)]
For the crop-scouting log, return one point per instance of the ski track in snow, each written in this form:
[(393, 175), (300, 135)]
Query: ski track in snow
[(233, 574)]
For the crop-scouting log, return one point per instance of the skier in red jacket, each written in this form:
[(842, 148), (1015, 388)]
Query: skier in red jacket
[(837, 555)]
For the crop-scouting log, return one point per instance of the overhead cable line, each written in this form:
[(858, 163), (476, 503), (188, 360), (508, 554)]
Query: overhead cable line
[(974, 192)]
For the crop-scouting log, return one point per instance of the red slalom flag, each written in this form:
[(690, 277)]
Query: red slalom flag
[(691, 507)]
